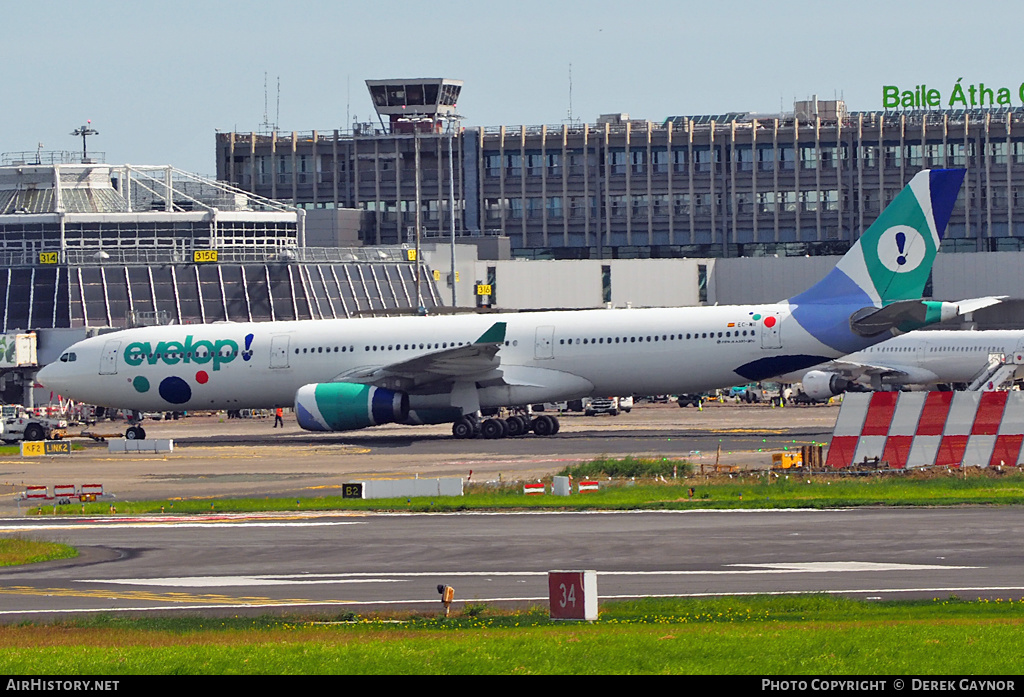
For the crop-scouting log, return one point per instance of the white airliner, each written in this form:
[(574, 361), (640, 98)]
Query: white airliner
[(352, 373), (918, 358)]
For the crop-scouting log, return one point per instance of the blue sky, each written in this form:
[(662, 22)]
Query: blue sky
[(157, 79)]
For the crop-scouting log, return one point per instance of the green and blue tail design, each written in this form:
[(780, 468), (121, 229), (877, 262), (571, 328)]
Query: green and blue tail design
[(888, 265)]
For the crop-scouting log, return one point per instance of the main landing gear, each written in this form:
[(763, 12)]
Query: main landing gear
[(517, 425)]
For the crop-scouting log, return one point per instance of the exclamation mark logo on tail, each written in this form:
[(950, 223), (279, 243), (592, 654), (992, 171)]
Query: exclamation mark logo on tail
[(901, 249), (247, 353)]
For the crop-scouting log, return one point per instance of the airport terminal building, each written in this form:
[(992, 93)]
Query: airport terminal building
[(727, 185)]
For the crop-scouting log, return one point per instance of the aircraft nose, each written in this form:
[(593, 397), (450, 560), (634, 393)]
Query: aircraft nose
[(46, 375)]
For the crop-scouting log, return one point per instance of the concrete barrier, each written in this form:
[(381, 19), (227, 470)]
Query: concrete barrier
[(123, 445), (397, 488)]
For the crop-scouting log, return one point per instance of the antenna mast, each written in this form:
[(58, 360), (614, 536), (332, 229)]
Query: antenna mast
[(570, 93)]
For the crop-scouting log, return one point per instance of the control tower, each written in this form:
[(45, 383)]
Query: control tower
[(416, 104)]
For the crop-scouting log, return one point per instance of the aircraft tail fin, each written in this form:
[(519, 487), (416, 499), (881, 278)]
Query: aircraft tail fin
[(893, 258)]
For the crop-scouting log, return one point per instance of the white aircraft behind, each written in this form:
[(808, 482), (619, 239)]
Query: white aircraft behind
[(918, 358), (352, 373)]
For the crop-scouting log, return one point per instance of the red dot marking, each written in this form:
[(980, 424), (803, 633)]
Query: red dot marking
[(769, 321), (202, 377)]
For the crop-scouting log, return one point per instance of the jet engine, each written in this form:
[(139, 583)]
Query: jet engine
[(819, 384), (344, 406)]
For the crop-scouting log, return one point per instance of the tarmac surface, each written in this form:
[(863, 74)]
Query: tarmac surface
[(218, 457)]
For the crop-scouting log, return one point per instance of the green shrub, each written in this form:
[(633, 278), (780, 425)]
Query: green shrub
[(629, 466)]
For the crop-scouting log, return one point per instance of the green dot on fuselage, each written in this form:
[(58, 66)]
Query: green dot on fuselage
[(140, 384)]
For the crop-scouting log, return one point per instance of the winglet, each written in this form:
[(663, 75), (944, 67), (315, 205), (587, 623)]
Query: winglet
[(494, 335)]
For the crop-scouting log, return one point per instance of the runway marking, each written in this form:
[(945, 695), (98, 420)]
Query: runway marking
[(222, 520), (825, 566), (231, 581), (169, 596), (383, 577), (224, 525)]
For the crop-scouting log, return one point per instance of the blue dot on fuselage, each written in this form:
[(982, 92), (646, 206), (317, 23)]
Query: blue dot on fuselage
[(175, 390)]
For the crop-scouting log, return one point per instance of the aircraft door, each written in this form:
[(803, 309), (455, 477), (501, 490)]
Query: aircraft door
[(108, 360), (1018, 354), (544, 345), (771, 330), (279, 351)]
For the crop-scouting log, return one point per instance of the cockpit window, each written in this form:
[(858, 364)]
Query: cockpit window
[(64, 357)]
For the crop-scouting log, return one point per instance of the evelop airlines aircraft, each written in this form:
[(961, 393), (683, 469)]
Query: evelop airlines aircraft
[(352, 373), (919, 358)]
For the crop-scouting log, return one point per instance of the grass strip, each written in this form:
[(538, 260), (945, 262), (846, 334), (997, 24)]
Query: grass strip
[(798, 635), (752, 491), (20, 550)]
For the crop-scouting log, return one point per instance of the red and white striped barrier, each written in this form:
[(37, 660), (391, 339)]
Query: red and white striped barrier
[(86, 492), (92, 490), (537, 488), (588, 486), (922, 429)]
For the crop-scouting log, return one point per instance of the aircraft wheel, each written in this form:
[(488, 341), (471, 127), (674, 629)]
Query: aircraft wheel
[(463, 428), (557, 425), (493, 428), (515, 426), (135, 433), (544, 426)]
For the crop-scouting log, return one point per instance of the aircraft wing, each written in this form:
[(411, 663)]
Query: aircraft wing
[(853, 370), (476, 360)]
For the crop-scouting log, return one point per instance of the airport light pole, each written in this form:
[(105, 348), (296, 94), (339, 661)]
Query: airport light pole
[(86, 130), (451, 208)]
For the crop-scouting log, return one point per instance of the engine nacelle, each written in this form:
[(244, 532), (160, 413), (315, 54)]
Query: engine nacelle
[(345, 406), (819, 384)]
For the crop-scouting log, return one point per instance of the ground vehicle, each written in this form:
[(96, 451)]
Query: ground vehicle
[(20, 424), (802, 397), (690, 400), (787, 461), (758, 392), (626, 404), (592, 406)]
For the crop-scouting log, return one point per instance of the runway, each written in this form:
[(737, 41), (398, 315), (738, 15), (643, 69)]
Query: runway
[(298, 563)]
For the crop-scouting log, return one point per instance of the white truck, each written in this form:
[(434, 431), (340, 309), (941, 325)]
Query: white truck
[(18, 423), (592, 406)]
